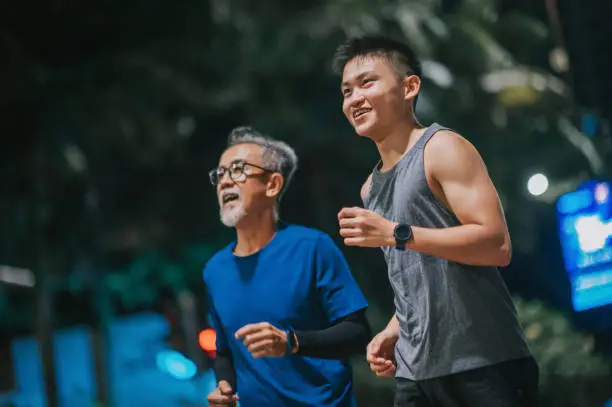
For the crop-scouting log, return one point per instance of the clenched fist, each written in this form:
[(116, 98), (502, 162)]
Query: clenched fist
[(222, 396), (380, 353), (263, 340), (361, 227)]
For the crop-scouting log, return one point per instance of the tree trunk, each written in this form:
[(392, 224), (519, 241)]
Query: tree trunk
[(43, 285), (189, 325), (101, 344), (44, 336), (100, 336)]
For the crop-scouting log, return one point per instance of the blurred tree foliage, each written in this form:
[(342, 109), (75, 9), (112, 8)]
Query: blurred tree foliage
[(112, 121), (113, 112), (572, 374)]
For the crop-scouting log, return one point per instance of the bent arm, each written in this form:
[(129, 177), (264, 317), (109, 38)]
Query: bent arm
[(393, 325), (223, 366), (349, 336), (460, 179)]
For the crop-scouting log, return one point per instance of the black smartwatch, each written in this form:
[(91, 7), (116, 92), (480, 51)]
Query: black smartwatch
[(402, 234)]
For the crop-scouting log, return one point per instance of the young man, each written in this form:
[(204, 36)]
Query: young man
[(286, 309), (455, 339)]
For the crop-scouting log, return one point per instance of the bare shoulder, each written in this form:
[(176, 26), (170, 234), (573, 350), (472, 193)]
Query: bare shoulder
[(365, 188), (448, 152), (447, 143)]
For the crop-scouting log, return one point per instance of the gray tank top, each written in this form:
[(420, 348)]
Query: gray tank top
[(452, 317)]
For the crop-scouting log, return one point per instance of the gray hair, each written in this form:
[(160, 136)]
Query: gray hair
[(276, 155)]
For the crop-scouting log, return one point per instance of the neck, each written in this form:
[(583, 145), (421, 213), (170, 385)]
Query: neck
[(397, 141), (254, 233)]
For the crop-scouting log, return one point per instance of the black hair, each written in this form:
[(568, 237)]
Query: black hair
[(398, 53), (401, 57)]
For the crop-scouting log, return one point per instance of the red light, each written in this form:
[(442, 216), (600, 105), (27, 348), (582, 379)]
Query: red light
[(208, 340)]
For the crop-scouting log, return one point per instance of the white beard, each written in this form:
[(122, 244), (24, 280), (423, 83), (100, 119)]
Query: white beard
[(231, 216)]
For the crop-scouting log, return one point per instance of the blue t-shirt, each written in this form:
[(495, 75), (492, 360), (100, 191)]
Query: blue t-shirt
[(298, 281)]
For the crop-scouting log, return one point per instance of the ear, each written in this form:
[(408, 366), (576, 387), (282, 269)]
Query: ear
[(275, 184), (412, 86)]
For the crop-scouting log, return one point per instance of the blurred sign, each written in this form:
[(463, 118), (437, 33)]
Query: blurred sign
[(17, 276), (585, 231)]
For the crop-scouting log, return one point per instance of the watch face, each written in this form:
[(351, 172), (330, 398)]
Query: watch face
[(403, 232)]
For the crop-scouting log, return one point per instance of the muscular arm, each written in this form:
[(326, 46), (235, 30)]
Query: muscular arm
[(347, 337), (459, 178)]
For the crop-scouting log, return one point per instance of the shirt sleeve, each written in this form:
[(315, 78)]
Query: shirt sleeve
[(338, 292), (348, 337), (221, 339)]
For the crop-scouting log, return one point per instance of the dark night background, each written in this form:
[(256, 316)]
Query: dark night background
[(111, 114)]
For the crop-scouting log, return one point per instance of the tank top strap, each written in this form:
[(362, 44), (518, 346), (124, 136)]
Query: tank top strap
[(429, 133)]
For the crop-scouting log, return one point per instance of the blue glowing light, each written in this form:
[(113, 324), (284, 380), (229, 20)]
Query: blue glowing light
[(590, 124), (574, 201), (585, 231), (176, 365)]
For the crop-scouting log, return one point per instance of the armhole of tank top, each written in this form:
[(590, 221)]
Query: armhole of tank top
[(429, 188), (366, 187)]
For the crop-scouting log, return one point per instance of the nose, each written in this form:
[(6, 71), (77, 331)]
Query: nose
[(225, 181), (356, 99)]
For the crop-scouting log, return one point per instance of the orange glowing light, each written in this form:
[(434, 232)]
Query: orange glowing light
[(208, 339)]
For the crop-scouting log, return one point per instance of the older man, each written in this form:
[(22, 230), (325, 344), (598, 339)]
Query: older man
[(287, 311)]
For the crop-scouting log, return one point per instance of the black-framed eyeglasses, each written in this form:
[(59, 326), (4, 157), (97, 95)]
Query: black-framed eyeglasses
[(235, 171)]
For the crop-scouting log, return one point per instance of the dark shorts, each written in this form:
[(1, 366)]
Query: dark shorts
[(509, 384)]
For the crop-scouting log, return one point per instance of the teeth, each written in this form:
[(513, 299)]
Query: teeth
[(360, 112), (229, 197)]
